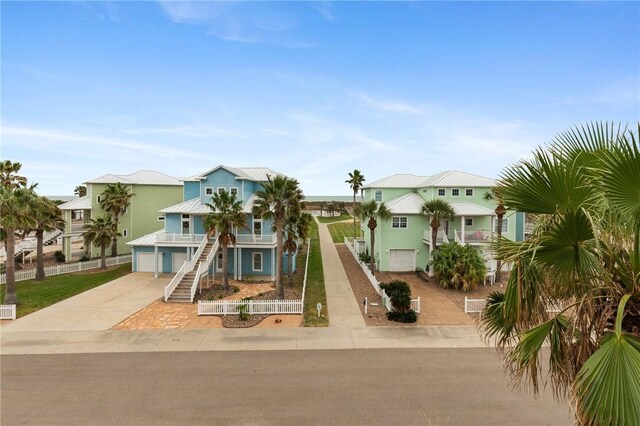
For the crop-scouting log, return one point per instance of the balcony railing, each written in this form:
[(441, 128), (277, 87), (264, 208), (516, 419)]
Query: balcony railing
[(471, 237), (164, 237), (441, 237), (255, 239)]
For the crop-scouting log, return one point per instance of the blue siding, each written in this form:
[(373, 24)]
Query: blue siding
[(172, 223), (218, 179), (249, 188), (198, 227), (191, 190), (247, 262)]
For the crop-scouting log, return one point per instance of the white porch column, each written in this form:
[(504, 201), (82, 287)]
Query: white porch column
[(462, 230), (273, 263), (235, 263), (239, 263), (155, 261)]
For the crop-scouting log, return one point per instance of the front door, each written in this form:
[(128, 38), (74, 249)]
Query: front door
[(186, 224)]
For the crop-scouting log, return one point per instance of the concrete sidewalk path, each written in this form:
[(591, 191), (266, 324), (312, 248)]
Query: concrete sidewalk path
[(342, 305), (239, 339), (97, 309)]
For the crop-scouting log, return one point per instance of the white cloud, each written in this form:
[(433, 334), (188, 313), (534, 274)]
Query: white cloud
[(385, 105)]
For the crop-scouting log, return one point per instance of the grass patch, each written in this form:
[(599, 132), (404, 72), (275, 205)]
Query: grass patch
[(329, 219), (35, 295), (315, 284), (340, 230)]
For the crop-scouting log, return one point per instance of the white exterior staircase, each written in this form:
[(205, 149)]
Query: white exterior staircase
[(182, 287)]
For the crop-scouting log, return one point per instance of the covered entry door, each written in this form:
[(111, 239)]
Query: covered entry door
[(402, 260)]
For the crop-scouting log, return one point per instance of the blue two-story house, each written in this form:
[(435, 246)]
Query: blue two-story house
[(167, 250)]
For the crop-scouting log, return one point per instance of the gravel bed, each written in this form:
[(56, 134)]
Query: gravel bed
[(377, 315), (216, 292)]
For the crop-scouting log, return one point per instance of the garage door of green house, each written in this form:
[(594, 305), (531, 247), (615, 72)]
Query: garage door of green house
[(402, 260)]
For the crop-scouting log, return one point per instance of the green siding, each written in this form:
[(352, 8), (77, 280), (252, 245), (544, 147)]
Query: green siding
[(141, 217)]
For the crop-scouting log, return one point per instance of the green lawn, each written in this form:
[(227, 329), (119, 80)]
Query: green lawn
[(315, 285), (340, 230), (35, 295), (329, 219)]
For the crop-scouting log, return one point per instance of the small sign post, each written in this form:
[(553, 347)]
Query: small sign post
[(319, 308), (366, 303)]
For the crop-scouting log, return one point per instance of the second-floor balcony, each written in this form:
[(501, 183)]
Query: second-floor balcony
[(256, 239), (166, 237), (474, 237), (441, 236)]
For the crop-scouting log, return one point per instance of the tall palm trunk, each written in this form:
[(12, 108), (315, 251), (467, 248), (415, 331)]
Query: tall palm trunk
[(10, 297), (225, 267), (353, 212), (434, 243), (279, 257), (103, 257), (372, 228), (114, 243), (39, 255)]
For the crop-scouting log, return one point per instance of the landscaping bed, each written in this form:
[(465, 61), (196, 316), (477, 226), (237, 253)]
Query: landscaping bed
[(377, 315)]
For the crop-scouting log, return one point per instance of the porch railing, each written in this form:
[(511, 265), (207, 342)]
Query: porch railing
[(441, 236), (164, 237), (470, 237), (255, 239)]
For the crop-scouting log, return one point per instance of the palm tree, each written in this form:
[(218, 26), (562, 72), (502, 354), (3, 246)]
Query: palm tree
[(297, 228), (279, 198), (100, 231), (583, 258), (80, 190), (47, 217), (115, 200), (371, 212), (494, 195), (355, 181), (436, 209), (323, 205), (16, 215), (225, 217)]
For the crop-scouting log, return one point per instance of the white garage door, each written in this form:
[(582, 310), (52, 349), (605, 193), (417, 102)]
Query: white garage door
[(402, 260), (178, 260), (145, 262)]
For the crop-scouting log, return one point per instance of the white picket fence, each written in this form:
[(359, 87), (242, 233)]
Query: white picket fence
[(67, 268), (7, 312), (386, 301), (268, 307)]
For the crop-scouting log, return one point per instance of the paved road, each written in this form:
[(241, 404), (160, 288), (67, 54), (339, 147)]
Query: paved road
[(381, 386)]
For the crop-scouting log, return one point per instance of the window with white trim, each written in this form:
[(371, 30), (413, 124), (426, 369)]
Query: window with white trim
[(257, 262), (124, 233), (233, 191), (399, 222), (441, 192), (377, 195), (208, 190), (468, 221), (221, 190), (160, 218), (468, 192), (98, 199), (455, 192), (505, 225)]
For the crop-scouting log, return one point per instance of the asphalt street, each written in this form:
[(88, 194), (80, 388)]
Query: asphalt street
[(334, 387)]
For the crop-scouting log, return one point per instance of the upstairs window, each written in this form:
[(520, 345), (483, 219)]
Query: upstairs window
[(468, 192), (441, 192), (221, 190), (98, 199), (468, 221), (233, 191), (505, 225), (125, 233), (377, 195), (455, 192), (160, 218), (208, 190), (399, 222)]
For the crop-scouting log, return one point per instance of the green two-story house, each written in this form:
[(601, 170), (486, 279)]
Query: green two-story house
[(152, 191), (403, 243)]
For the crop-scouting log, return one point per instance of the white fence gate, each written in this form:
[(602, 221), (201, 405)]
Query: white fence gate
[(67, 268), (267, 307), (8, 312), (474, 305)]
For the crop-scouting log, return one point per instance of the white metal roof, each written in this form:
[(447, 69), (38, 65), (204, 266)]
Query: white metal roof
[(470, 209), (146, 240), (141, 177), (410, 203), (450, 178), (258, 174), (192, 206), (82, 203)]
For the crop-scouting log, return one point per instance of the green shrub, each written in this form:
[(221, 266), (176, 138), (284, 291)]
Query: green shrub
[(243, 310), (85, 258), (59, 256), (400, 294), (364, 257), (457, 266)]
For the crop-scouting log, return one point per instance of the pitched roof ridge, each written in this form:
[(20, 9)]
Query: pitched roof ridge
[(444, 175)]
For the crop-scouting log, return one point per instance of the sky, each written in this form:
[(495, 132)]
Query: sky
[(310, 89)]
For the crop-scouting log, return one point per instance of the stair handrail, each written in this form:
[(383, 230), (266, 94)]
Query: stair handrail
[(203, 269), (175, 281), (201, 247)]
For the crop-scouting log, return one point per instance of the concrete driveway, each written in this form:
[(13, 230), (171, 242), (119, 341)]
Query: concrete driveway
[(97, 309)]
